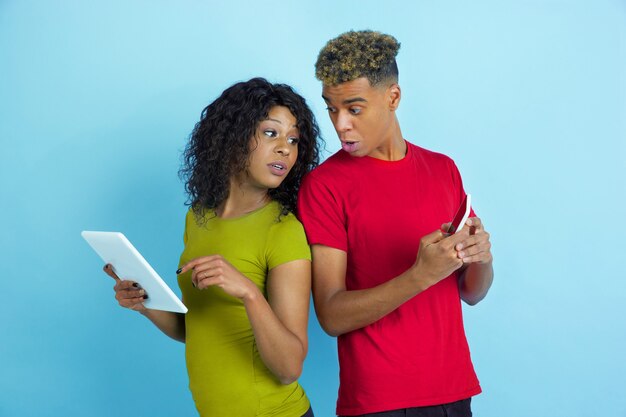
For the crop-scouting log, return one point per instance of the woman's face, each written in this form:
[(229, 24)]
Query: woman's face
[(274, 149)]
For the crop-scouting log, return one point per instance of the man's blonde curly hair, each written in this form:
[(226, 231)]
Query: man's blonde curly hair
[(356, 54)]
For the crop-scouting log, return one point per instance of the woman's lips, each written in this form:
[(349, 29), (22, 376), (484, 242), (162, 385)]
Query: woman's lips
[(278, 168)]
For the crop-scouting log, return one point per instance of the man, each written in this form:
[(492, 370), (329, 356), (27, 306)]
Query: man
[(387, 280)]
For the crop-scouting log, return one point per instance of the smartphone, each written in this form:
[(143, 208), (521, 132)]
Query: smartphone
[(461, 215)]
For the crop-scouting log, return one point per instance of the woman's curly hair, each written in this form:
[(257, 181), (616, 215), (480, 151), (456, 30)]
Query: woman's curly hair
[(356, 54), (219, 146)]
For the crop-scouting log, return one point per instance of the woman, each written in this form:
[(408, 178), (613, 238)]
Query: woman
[(245, 270)]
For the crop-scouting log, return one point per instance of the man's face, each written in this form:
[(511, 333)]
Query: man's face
[(362, 115)]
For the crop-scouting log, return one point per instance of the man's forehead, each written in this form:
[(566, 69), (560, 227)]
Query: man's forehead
[(359, 87)]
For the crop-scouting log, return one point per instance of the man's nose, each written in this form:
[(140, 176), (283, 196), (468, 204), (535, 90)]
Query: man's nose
[(343, 122)]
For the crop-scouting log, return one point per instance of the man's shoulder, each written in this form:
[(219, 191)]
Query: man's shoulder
[(428, 158), (336, 164), (423, 153), (337, 160)]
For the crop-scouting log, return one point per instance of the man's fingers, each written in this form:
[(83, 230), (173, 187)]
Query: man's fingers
[(481, 257), (108, 269), (466, 243), (475, 222), (473, 250), (477, 248), (475, 239), (433, 237)]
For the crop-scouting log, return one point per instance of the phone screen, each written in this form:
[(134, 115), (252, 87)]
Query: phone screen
[(461, 215)]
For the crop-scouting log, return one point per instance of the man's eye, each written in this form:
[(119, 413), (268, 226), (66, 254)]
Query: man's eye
[(355, 110), (293, 140), (330, 109), (270, 132)]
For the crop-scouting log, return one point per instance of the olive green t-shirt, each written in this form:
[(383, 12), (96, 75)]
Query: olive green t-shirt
[(226, 374)]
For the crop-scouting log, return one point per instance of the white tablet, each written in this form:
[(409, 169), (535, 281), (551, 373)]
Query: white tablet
[(127, 262)]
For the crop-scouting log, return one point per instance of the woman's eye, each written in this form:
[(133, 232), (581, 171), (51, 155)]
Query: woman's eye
[(293, 141), (270, 132)]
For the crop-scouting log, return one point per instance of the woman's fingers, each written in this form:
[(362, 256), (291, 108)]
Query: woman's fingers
[(130, 295), (108, 269), (195, 263)]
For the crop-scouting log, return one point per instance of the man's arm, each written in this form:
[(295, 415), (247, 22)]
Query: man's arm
[(477, 275), (340, 311)]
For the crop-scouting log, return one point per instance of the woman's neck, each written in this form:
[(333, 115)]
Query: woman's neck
[(242, 200)]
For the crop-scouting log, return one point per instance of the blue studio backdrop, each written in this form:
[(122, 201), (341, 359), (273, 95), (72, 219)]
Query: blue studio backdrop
[(97, 100)]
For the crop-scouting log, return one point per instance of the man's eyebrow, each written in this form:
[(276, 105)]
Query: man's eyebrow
[(348, 101), (354, 100)]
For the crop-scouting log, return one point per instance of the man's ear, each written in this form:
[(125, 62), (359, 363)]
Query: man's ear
[(394, 95)]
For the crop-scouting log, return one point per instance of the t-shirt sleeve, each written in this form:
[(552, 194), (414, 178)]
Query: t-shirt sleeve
[(322, 215), (181, 260), (189, 217), (458, 182), (185, 237), (287, 242)]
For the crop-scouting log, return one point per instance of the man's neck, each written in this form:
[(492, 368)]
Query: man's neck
[(393, 149)]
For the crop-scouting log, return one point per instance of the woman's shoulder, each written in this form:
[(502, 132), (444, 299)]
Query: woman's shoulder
[(196, 217), (286, 225), (286, 241), (283, 221)]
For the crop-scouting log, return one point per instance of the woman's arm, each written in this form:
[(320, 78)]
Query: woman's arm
[(280, 323), (131, 296), (170, 323)]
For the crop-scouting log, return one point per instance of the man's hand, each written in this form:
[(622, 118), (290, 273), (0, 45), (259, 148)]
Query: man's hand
[(437, 256), (475, 253), (476, 248)]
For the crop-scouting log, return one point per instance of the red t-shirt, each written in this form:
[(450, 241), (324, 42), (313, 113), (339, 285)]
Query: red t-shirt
[(377, 212)]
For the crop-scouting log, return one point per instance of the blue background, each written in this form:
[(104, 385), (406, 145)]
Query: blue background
[(97, 100)]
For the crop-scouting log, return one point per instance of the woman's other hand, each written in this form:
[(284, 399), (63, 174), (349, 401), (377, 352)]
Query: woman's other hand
[(127, 293)]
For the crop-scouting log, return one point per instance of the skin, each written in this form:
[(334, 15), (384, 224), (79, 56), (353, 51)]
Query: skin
[(364, 119), (365, 115), (279, 323)]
